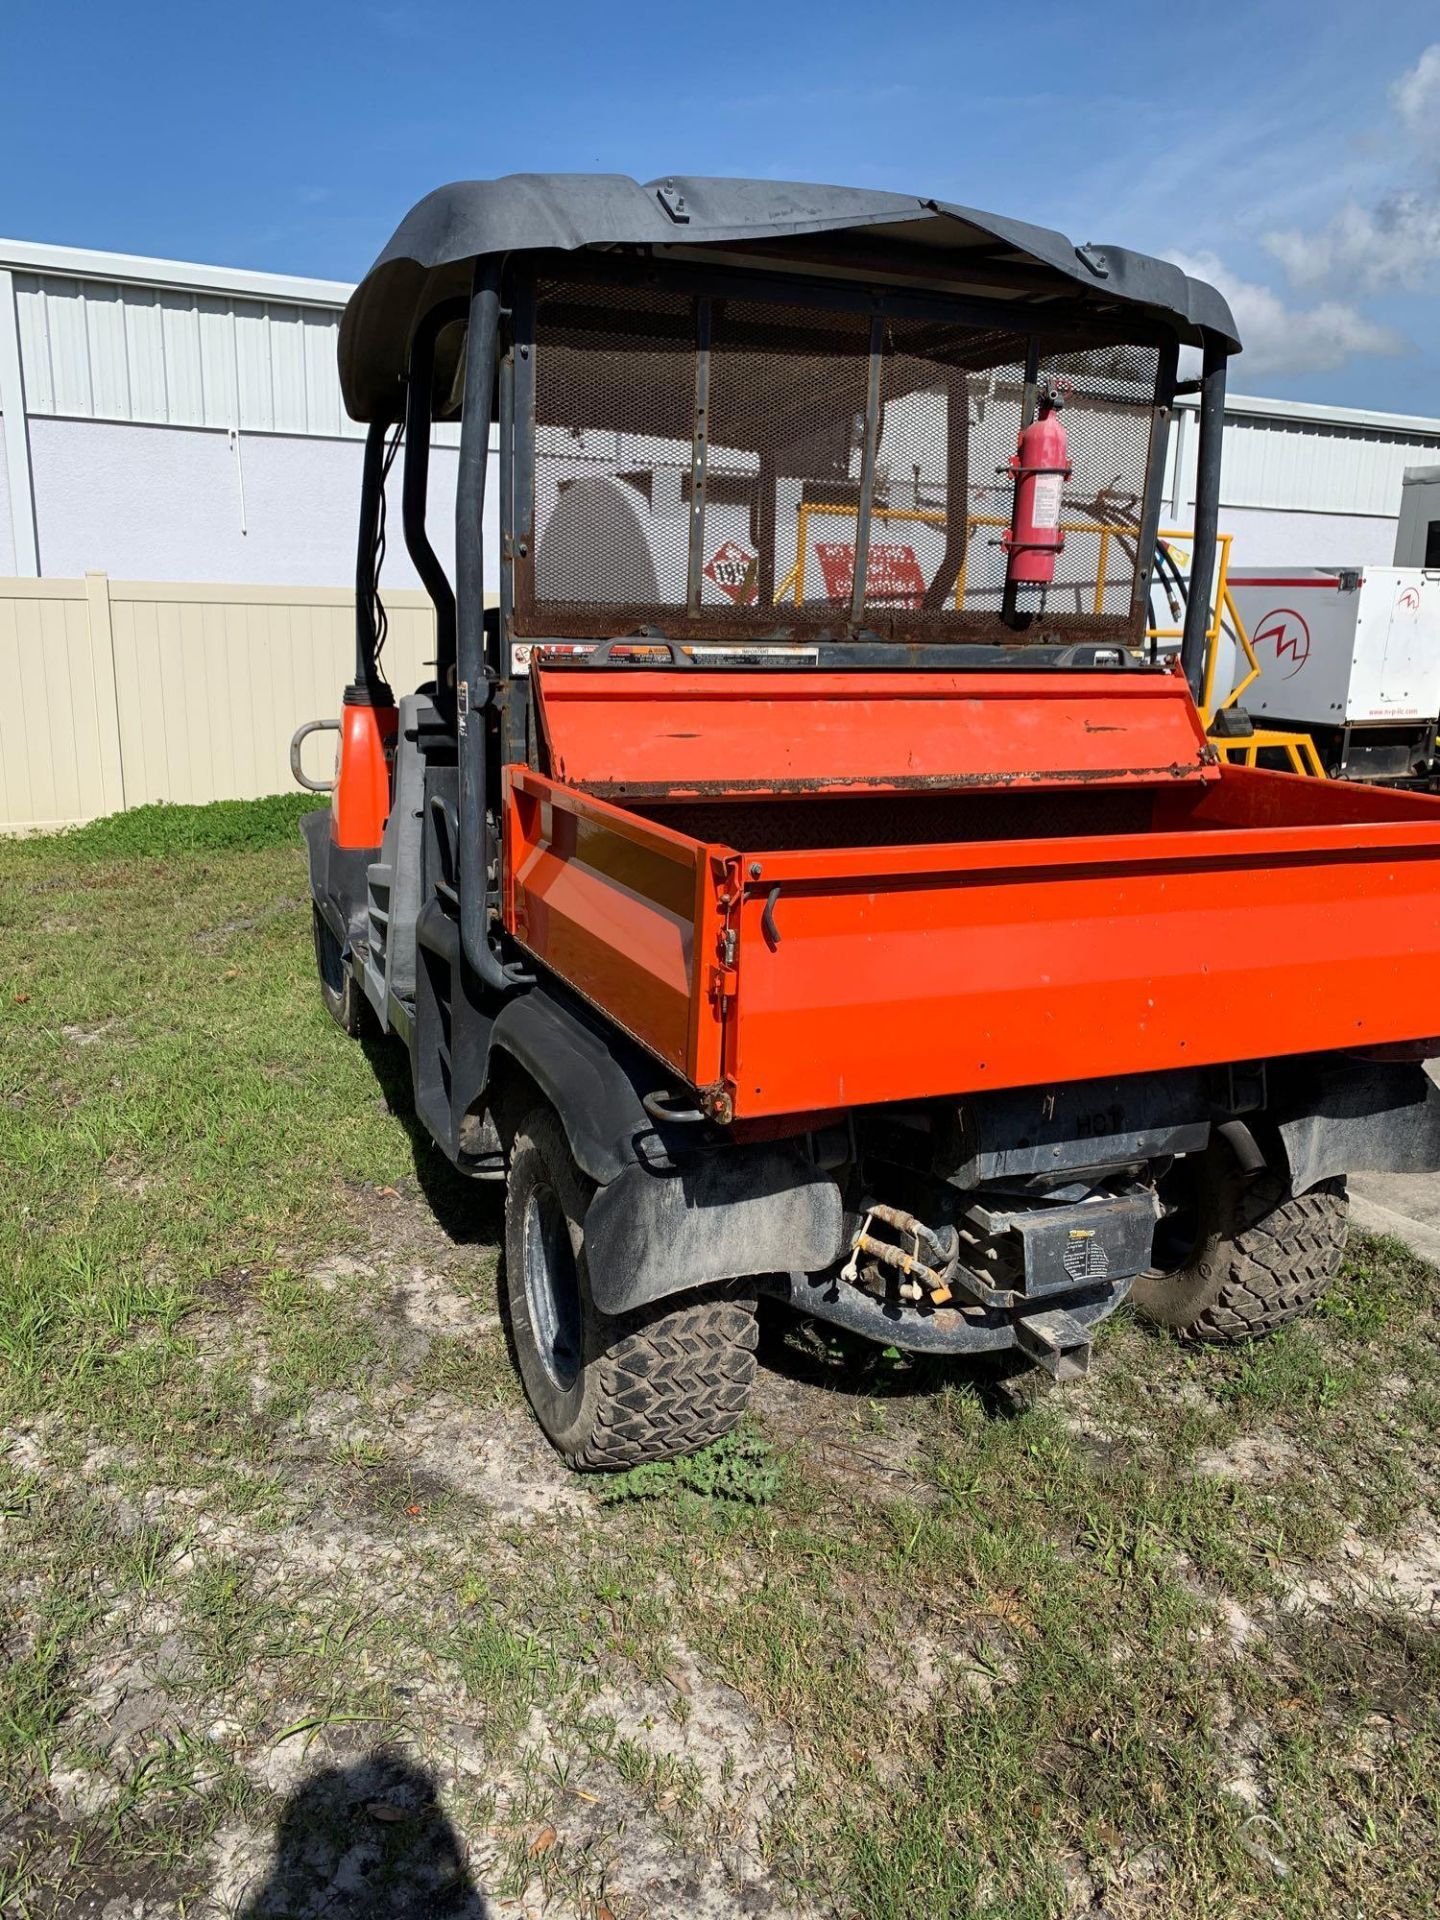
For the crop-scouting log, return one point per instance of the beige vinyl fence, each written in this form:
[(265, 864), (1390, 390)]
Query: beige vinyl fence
[(118, 692)]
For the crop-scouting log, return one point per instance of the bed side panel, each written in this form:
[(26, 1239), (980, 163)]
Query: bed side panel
[(624, 911)]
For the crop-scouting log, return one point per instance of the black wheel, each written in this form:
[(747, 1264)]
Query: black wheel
[(1237, 1256), (610, 1391), (339, 989)]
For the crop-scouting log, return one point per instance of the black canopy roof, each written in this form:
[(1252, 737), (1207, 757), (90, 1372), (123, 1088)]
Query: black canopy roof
[(922, 243)]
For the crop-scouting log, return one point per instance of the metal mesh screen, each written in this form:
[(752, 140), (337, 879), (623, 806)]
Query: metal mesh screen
[(618, 472), (950, 413), (1108, 415), (787, 425), (614, 418)]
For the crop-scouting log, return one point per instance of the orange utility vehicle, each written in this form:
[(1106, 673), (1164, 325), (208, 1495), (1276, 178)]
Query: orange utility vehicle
[(799, 883)]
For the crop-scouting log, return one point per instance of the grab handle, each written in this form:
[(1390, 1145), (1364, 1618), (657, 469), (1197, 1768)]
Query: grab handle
[(297, 740), (604, 654), (658, 1106)]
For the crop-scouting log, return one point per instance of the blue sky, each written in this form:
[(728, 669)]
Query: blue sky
[(1291, 151)]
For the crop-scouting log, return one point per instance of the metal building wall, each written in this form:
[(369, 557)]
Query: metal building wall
[(93, 350), (122, 360), (1304, 485), (182, 422), (1300, 465)]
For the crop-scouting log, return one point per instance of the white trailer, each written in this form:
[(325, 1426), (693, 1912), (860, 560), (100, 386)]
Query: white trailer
[(1350, 655)]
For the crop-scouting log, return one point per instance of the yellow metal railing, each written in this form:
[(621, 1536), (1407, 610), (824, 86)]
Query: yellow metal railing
[(1244, 749), (1298, 748), (808, 510), (1223, 608)]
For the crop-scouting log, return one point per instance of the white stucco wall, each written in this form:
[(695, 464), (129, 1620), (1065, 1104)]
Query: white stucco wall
[(165, 503), (7, 538), (147, 502)]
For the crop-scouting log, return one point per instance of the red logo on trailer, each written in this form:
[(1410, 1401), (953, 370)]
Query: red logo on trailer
[(1291, 635), (732, 568), (892, 573), (1409, 599)]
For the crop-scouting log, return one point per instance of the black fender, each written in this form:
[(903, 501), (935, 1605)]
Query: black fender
[(1357, 1116), (727, 1214), (594, 1078), (675, 1207), (337, 876)]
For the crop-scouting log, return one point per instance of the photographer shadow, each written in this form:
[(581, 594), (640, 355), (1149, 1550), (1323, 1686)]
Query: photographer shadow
[(367, 1841)]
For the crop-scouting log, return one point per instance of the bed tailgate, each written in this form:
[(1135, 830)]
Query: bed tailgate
[(905, 973)]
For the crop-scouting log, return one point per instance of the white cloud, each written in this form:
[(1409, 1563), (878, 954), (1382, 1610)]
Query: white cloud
[(1291, 340), (1395, 244), (1417, 100)]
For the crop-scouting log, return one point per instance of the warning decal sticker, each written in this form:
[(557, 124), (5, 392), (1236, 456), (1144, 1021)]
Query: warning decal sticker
[(892, 574), (732, 569), (1045, 503)]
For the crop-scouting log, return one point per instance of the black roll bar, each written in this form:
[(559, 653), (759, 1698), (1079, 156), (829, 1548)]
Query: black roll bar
[(416, 491), (1165, 370), (1207, 515), (472, 681), (367, 639)]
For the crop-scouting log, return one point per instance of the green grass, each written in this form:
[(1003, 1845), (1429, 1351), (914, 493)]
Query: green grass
[(278, 1532), (155, 832)]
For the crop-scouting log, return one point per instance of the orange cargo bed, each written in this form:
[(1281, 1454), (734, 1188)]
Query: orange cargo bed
[(867, 931)]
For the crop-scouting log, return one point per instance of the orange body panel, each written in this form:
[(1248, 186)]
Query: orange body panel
[(1259, 915), (695, 732), (626, 911), (360, 799)]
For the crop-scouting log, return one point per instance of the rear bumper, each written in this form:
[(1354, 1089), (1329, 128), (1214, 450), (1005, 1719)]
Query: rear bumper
[(951, 1330), (662, 1226)]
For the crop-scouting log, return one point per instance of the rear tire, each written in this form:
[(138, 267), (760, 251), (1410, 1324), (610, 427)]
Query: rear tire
[(342, 993), (610, 1391), (1258, 1254)]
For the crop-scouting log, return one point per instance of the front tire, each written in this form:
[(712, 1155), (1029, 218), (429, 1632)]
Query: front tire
[(610, 1391), (1241, 1255)]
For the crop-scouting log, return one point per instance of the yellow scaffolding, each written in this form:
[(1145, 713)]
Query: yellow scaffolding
[(1243, 749), (808, 510)]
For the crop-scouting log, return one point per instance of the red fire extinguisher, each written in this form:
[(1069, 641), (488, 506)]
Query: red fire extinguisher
[(1041, 466)]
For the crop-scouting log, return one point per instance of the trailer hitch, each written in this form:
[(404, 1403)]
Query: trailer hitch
[(1056, 1341)]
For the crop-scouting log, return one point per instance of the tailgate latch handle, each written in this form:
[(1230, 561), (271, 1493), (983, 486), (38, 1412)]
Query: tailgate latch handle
[(767, 919)]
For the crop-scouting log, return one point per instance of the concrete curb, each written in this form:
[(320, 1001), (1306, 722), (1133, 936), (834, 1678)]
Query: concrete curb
[(1372, 1217)]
